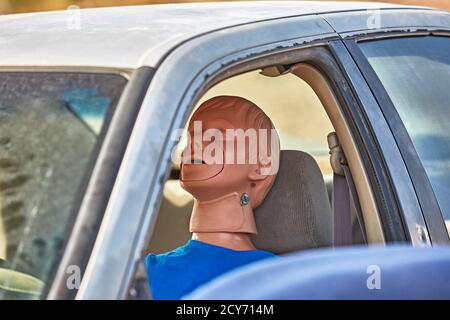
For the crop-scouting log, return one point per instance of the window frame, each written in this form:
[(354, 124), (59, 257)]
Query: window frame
[(432, 215), (319, 54)]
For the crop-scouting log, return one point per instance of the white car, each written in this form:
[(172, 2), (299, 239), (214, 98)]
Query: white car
[(89, 100)]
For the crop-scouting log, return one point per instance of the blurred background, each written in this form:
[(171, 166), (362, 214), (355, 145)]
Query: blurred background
[(20, 6)]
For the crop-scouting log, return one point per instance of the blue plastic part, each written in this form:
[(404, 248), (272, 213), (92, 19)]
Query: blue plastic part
[(86, 102), (393, 272)]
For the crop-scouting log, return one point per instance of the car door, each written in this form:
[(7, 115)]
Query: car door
[(416, 39)]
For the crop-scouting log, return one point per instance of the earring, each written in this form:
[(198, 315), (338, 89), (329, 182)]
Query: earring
[(245, 199)]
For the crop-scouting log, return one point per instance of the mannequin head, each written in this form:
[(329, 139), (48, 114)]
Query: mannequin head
[(229, 165)]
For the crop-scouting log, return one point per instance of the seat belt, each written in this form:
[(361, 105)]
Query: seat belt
[(354, 195), (343, 187)]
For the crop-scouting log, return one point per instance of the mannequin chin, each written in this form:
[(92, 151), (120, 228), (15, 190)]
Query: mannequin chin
[(225, 193)]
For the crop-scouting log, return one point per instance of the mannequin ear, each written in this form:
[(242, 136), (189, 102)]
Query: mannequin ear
[(256, 175)]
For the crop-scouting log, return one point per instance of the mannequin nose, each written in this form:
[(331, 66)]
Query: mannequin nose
[(186, 155)]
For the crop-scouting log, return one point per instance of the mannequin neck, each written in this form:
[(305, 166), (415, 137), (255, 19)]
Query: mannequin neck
[(223, 215), (230, 240)]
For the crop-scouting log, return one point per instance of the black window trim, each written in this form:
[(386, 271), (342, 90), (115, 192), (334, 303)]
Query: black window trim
[(432, 215), (389, 211)]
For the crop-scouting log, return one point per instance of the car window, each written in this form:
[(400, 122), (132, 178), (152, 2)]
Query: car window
[(301, 122), (49, 125), (416, 74)]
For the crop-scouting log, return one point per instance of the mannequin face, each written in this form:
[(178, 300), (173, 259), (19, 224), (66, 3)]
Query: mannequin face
[(225, 161)]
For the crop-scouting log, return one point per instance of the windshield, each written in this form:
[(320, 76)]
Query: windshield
[(49, 125), (416, 74)]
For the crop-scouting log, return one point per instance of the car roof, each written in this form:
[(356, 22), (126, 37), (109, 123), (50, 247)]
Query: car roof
[(122, 37)]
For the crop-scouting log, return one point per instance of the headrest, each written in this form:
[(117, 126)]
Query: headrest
[(296, 214)]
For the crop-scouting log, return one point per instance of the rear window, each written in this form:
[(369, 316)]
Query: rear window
[(49, 125)]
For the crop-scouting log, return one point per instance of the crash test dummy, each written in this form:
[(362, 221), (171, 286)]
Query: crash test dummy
[(229, 174)]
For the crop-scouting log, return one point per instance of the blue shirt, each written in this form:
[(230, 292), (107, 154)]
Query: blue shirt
[(176, 273)]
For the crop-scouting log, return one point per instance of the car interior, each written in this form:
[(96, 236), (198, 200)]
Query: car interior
[(297, 213)]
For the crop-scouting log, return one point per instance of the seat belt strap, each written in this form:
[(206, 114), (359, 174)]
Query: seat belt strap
[(342, 226), (343, 187), (354, 194)]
